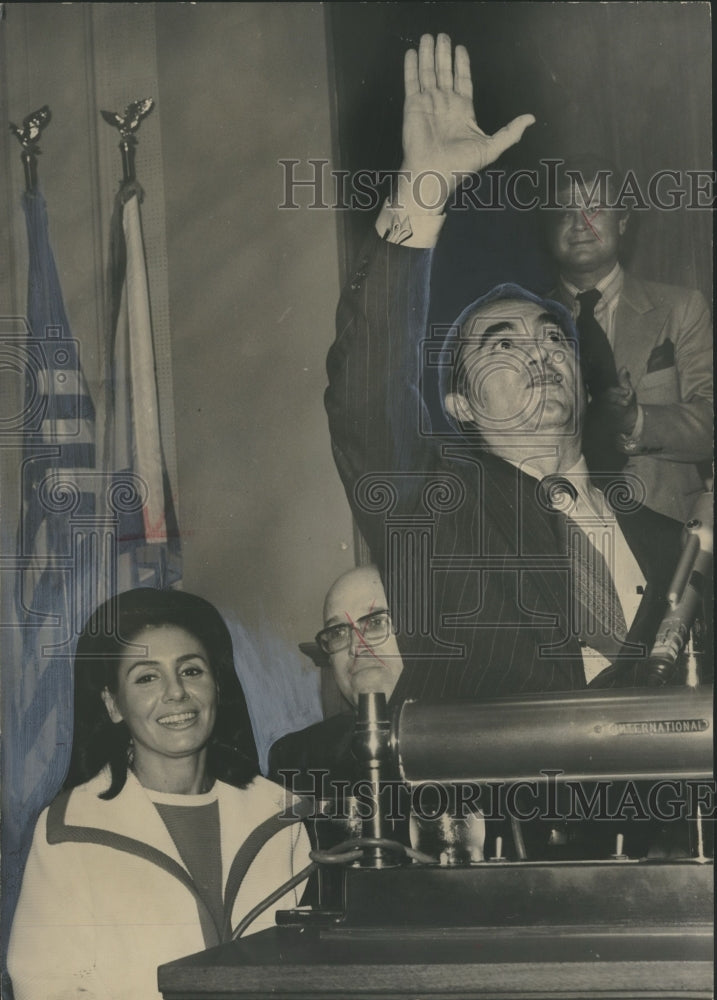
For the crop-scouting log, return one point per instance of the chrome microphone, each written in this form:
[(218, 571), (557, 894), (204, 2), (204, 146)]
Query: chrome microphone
[(687, 591)]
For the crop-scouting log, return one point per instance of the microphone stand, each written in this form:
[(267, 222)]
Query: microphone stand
[(686, 595)]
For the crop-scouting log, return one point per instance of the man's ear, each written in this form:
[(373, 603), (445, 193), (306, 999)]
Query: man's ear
[(458, 407), (622, 225), (111, 705)]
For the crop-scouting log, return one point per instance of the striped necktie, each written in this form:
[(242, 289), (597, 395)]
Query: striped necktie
[(596, 614)]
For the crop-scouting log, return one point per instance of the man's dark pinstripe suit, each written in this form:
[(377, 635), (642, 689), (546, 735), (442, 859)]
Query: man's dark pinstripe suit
[(473, 572)]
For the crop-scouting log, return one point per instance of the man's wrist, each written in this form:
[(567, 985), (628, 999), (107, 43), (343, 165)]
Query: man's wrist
[(631, 443), (416, 229), (419, 193)]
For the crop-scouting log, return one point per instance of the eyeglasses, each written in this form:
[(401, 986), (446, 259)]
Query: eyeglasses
[(375, 628)]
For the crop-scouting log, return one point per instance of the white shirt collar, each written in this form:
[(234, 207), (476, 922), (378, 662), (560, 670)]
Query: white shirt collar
[(579, 469), (589, 496), (603, 286)]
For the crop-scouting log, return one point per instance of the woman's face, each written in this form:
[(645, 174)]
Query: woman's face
[(167, 694)]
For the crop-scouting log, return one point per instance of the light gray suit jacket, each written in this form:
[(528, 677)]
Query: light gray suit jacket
[(663, 336)]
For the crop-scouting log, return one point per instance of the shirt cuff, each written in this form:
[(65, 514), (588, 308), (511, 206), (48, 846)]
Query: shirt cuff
[(630, 443), (415, 230)]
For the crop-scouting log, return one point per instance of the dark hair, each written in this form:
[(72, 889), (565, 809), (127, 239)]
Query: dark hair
[(98, 742), (586, 166)]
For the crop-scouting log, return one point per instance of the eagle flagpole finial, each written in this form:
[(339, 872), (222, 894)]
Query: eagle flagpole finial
[(28, 135), (127, 126)]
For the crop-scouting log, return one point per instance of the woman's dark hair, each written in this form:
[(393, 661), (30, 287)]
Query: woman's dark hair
[(98, 742)]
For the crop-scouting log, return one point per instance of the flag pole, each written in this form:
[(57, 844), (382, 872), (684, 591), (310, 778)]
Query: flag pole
[(127, 148), (148, 542), (28, 135)]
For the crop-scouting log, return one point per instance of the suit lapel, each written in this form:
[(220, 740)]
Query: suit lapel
[(655, 543), (638, 324), (638, 327), (510, 499), (506, 499)]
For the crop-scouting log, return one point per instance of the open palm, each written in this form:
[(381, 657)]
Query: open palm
[(440, 133)]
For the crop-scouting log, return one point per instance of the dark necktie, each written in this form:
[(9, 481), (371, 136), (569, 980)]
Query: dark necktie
[(596, 358), (597, 364), (596, 615)]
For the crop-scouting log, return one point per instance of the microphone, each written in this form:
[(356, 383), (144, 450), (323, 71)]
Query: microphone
[(371, 747), (686, 592)]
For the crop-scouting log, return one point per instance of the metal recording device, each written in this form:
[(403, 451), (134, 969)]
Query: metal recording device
[(631, 912), (496, 903), (687, 593), (635, 734)]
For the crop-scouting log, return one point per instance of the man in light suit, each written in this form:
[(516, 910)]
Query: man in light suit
[(479, 576), (651, 412)]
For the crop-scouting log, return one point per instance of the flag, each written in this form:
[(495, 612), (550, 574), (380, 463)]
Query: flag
[(55, 587), (281, 688), (148, 552)]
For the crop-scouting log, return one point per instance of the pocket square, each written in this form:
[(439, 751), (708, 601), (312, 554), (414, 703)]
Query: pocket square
[(663, 356)]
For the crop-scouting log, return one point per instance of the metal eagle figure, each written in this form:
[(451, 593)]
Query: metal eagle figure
[(32, 126), (134, 114)]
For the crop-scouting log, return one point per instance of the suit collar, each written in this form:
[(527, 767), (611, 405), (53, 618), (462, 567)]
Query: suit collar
[(609, 287), (510, 496), (635, 295), (633, 292)]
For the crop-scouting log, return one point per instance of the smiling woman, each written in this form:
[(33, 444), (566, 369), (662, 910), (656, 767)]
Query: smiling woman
[(139, 860), (168, 700)]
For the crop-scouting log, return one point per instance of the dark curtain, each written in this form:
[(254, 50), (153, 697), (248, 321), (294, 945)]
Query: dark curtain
[(631, 81)]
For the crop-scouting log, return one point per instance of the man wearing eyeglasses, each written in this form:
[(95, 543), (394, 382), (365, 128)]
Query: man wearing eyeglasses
[(358, 645), (357, 636)]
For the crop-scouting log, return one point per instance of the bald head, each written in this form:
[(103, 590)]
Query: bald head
[(360, 584), (356, 606)]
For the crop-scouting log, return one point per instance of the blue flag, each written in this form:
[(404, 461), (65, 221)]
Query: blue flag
[(55, 582)]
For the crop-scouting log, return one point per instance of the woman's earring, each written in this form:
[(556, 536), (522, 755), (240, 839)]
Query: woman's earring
[(130, 754)]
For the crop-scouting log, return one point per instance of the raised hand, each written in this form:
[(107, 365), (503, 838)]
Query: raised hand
[(440, 133)]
